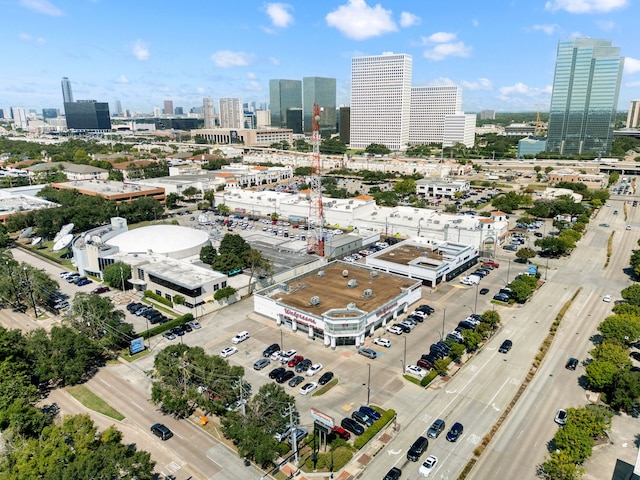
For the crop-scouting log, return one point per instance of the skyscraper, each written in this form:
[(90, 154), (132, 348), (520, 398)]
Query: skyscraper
[(118, 108), (87, 115), (209, 113), (168, 107), (380, 100), (283, 94), (429, 107), (67, 93), (586, 85), (322, 91), (231, 113), (19, 116), (633, 116)]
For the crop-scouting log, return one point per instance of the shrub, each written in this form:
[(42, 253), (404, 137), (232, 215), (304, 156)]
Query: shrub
[(373, 430), (426, 380), (158, 298), (176, 322)]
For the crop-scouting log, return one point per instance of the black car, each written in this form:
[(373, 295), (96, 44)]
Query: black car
[(187, 327), (415, 318), (177, 331), (426, 308), (506, 346), (501, 297), (393, 474), (303, 366), (405, 328), (276, 371), (370, 412), (351, 425), (362, 418), (274, 347), (295, 381), (454, 432), (417, 449), (161, 431), (436, 428), (284, 376), (572, 363), (484, 291), (325, 378), (635, 356), (434, 351)]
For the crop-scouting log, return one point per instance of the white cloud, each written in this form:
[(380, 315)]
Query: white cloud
[(445, 46), (253, 86), (479, 84), (279, 14), (122, 79), (358, 21), (475, 23), (441, 37), (140, 50), (524, 90), (274, 61), (200, 91), (549, 29), (25, 37), (408, 19), (631, 65), (632, 84), (436, 82), (228, 58), (585, 6), (251, 76), (42, 6)]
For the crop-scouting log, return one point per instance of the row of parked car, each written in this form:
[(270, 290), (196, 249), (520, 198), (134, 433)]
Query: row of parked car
[(410, 322), (150, 313)]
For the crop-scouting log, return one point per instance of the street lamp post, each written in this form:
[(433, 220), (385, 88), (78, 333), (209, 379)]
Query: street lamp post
[(546, 269), (404, 356), (475, 306), (369, 384), (281, 341), (444, 313), (508, 271)]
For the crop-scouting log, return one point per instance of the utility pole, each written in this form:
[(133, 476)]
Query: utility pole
[(294, 429), (33, 300)]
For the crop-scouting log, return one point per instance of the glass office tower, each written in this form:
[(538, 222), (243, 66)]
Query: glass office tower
[(585, 97), (322, 91), (283, 94)]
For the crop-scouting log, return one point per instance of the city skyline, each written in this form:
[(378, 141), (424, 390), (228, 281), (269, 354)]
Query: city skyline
[(503, 56)]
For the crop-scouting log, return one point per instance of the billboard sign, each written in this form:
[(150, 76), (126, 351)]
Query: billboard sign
[(136, 346), (322, 418)]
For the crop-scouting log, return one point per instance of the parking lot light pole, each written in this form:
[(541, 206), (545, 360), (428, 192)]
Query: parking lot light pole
[(281, 340), (404, 356), (475, 307), (444, 313), (369, 384)]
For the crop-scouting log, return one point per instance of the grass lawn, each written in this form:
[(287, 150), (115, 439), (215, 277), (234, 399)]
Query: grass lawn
[(326, 388), (90, 400)]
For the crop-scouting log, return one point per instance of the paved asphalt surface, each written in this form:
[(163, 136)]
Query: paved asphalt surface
[(475, 396)]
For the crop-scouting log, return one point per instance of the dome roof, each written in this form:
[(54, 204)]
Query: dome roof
[(162, 239)]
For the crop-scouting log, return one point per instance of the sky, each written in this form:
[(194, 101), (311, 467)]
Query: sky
[(501, 52)]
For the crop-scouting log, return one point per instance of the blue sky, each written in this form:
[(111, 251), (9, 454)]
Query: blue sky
[(502, 52)]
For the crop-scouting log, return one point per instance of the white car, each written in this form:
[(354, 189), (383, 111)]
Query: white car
[(415, 370), (383, 342), (308, 388), (313, 369), (275, 356), (228, 351), (606, 298), (240, 337), (428, 466), (195, 325), (394, 329)]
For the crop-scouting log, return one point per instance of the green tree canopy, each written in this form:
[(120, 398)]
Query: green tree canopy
[(117, 275), (622, 329)]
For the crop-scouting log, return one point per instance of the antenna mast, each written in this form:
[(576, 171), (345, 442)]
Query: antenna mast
[(315, 241)]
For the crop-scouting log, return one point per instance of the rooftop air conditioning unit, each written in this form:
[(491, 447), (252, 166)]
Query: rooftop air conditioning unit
[(353, 283), (373, 274), (368, 293), (345, 273), (314, 300), (351, 306), (321, 273)]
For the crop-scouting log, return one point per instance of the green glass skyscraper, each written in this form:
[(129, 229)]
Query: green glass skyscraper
[(283, 94), (322, 91), (585, 97)]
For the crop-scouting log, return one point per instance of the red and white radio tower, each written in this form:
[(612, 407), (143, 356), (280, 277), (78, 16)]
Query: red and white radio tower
[(315, 239)]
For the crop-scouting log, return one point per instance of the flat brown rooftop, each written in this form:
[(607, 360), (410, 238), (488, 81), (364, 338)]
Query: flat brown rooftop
[(407, 253), (334, 290)]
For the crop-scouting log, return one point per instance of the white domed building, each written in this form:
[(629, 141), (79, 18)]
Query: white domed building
[(163, 258)]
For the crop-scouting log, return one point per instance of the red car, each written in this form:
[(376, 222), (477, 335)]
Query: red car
[(295, 361), (341, 432), (492, 263)]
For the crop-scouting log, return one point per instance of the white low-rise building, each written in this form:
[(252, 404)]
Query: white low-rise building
[(444, 188)]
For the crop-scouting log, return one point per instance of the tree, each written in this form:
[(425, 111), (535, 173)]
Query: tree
[(223, 209), (332, 146), (171, 200), (117, 275), (190, 192), (623, 329), (258, 264), (224, 293), (97, 318), (632, 294), (635, 262), (234, 244), (624, 390), (208, 254), (525, 254), (405, 187), (377, 149), (553, 246), (600, 374), (471, 340)]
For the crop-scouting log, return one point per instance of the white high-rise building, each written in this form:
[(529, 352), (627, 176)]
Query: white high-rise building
[(209, 113), (157, 112), (19, 116), (380, 100), (459, 128), (231, 113), (633, 116), (429, 106)]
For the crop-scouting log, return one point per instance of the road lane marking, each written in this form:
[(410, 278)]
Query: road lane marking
[(394, 452), (136, 405), (106, 383)]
